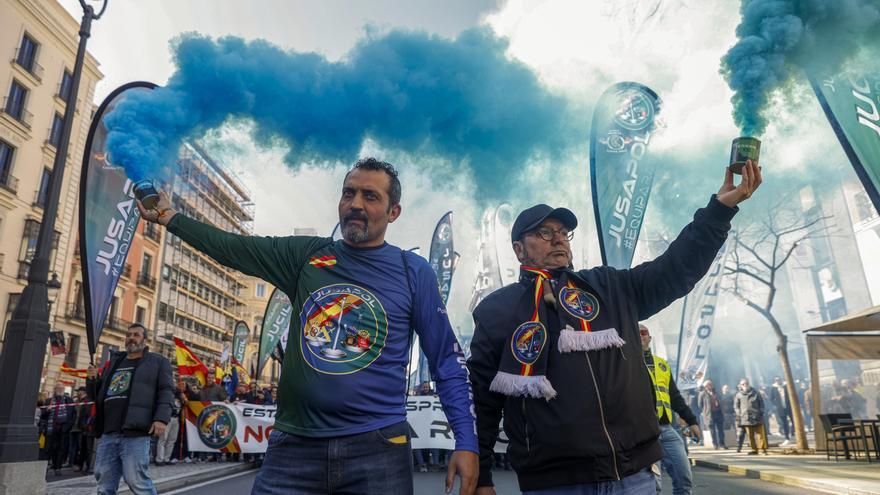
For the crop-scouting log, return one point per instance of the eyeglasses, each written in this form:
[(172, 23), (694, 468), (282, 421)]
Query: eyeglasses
[(548, 234)]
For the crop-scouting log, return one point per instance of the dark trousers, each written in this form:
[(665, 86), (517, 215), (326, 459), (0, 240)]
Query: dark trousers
[(717, 428), (57, 445), (741, 439), (74, 450), (782, 417), (87, 450)]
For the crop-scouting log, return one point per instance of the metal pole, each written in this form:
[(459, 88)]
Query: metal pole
[(27, 332)]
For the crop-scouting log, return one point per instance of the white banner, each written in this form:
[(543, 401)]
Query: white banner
[(429, 427), (698, 318), (222, 427)]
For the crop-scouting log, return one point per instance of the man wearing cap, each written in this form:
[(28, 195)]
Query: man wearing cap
[(669, 400), (559, 355)]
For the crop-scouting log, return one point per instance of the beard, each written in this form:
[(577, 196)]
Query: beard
[(354, 233), (134, 347)]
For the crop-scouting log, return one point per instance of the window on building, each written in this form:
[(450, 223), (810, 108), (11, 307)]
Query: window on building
[(29, 240), (261, 290), (27, 53), (55, 132), (43, 191), (113, 314), (6, 153), (13, 302), (66, 86), (140, 315), (146, 265), (72, 350), (16, 100)]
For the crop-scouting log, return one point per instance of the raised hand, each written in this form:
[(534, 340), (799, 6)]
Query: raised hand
[(732, 195), (161, 214)]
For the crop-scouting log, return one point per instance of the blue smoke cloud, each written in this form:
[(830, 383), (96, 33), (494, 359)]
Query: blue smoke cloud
[(462, 99), (777, 38)]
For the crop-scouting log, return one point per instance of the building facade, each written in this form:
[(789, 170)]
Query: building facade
[(38, 40), (199, 299)]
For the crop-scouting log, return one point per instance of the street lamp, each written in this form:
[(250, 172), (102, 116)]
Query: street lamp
[(28, 330)]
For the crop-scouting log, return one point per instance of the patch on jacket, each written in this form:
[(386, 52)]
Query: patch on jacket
[(579, 303), (662, 366)]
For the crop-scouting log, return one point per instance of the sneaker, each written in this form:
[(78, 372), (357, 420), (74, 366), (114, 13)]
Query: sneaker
[(187, 460), (173, 462), (423, 469)]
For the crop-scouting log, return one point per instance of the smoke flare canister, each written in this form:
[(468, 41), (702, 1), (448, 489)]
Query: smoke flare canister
[(743, 148), (146, 193)]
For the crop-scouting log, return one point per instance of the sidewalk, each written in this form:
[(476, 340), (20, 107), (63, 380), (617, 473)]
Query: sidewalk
[(803, 471), (165, 478)]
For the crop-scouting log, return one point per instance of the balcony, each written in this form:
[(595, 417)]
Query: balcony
[(75, 312), (21, 115), (9, 183), (147, 281), (30, 66), (152, 233), (116, 323)]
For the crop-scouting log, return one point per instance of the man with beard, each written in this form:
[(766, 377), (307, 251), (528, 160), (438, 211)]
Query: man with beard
[(341, 424), (558, 354), (133, 396)]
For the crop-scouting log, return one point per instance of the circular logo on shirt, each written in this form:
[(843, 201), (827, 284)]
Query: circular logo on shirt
[(579, 303), (528, 342), (119, 383), (344, 328), (216, 424), (662, 366)]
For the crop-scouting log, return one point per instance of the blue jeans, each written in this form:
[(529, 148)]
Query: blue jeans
[(375, 462), (126, 457), (675, 462), (641, 483)]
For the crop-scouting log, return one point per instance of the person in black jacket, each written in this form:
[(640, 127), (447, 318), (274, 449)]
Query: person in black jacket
[(558, 354), (58, 417), (133, 398)]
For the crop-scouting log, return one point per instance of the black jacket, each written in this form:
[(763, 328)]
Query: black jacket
[(603, 423), (150, 397)]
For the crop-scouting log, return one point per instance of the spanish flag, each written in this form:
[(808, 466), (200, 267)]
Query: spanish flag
[(188, 363), (243, 376), (78, 373)]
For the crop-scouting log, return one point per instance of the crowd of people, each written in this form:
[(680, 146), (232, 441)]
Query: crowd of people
[(66, 424)]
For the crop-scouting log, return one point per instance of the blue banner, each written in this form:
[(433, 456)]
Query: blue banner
[(851, 101), (442, 258), (108, 218), (623, 123)]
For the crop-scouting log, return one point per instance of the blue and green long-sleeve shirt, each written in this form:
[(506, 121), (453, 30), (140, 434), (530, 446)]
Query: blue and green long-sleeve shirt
[(344, 370)]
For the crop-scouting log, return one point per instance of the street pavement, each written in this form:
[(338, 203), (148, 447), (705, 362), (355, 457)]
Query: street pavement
[(706, 481)]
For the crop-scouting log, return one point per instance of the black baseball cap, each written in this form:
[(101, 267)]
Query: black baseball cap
[(530, 218)]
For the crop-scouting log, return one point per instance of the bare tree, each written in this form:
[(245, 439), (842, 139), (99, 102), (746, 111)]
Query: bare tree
[(758, 253)]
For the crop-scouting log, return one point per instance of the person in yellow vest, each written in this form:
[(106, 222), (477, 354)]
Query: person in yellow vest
[(669, 400)]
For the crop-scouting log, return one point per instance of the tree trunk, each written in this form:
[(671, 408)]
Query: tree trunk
[(797, 416)]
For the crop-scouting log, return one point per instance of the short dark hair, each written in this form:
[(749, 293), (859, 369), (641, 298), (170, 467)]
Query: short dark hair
[(370, 163), (142, 327)]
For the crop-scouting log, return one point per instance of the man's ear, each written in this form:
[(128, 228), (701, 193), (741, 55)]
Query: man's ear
[(394, 213), (519, 249)]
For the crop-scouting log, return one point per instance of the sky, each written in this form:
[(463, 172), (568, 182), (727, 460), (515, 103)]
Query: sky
[(576, 49)]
